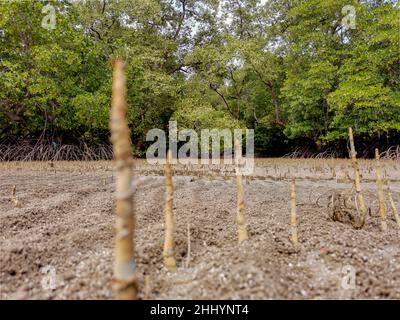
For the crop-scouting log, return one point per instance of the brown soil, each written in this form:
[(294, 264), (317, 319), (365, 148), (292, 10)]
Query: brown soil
[(64, 219)]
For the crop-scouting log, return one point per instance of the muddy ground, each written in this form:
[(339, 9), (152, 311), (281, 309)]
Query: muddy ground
[(56, 242)]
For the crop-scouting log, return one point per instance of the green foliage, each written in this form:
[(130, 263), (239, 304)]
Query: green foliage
[(49, 76), (289, 69), (368, 95)]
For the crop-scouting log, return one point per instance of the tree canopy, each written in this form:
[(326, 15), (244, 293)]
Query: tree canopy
[(293, 70)]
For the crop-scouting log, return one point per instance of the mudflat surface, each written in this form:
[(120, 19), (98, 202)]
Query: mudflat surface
[(57, 241)]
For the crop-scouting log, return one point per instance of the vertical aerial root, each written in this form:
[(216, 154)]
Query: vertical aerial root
[(147, 287), (125, 284), (357, 182), (241, 217), (168, 252), (14, 198), (188, 246), (393, 205), (293, 216), (381, 197)]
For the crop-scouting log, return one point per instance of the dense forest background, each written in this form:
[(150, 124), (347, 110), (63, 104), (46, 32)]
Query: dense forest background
[(290, 69)]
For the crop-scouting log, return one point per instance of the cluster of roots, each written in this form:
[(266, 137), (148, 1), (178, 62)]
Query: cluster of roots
[(343, 208)]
